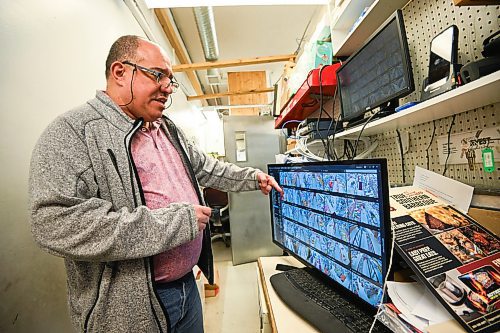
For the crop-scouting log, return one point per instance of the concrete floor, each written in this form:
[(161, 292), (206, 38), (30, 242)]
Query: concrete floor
[(236, 307)]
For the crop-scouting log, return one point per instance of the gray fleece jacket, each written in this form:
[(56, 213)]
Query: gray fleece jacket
[(88, 207)]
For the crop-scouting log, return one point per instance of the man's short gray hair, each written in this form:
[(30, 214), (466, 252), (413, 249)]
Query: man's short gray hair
[(124, 48)]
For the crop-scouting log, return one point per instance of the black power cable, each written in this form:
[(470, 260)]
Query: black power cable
[(333, 120), (402, 156), (325, 144), (360, 132), (448, 144), (430, 143)]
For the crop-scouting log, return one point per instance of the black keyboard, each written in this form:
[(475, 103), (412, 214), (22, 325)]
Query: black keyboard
[(320, 305)]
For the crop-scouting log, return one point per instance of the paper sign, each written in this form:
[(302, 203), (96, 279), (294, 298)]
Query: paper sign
[(450, 191)]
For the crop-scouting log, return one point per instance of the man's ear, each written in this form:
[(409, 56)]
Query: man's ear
[(118, 73)]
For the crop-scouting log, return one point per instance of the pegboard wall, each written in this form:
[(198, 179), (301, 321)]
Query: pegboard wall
[(424, 19), (423, 149)]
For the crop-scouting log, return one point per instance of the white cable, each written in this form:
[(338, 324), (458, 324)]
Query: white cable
[(367, 151), (310, 154), (386, 277), (304, 151)]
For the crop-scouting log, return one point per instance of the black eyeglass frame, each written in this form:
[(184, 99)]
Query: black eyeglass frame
[(157, 74)]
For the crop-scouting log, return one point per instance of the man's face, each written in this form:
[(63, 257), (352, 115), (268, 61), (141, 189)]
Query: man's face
[(149, 95)]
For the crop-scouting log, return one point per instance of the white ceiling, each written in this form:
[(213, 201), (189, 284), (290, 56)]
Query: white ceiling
[(194, 3), (250, 31)]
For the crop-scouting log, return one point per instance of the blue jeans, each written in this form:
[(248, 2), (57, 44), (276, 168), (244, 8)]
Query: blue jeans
[(182, 302)]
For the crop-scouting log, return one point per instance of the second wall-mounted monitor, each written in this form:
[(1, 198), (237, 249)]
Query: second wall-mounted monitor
[(378, 74), (443, 67)]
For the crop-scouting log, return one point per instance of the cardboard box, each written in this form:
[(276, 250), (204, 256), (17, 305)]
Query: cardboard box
[(212, 290), (474, 2), (488, 218), (290, 144)]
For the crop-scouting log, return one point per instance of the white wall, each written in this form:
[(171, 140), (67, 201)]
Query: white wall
[(204, 127), (52, 59)]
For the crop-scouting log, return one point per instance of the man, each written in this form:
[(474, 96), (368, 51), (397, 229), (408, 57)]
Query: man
[(114, 189)]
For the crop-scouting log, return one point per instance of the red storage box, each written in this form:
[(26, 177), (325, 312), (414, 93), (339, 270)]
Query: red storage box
[(303, 103)]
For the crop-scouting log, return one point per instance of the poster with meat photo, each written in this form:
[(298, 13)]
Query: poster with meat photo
[(457, 257)]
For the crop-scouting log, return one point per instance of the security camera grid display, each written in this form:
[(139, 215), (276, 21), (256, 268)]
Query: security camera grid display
[(330, 217), (377, 73)]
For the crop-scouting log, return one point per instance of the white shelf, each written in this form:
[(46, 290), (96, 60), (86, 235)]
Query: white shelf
[(344, 43), (344, 16), (475, 94)]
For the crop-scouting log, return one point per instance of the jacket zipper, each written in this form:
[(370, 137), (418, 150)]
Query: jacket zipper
[(128, 146), (133, 170), (115, 164), (87, 318)]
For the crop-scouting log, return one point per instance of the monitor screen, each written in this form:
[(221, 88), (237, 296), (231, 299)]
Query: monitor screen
[(379, 72), (334, 217)]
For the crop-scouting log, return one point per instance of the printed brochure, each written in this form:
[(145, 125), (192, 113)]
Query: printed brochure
[(456, 257)]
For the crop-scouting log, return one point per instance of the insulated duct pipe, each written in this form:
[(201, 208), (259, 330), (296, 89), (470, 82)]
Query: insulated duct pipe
[(205, 22)]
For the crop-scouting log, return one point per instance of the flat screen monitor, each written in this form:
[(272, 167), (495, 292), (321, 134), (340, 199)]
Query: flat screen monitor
[(378, 73), (443, 55), (334, 218)]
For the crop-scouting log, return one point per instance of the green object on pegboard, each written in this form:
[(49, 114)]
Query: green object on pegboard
[(488, 160)]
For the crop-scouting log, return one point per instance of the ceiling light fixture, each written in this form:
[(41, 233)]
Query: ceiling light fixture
[(214, 3)]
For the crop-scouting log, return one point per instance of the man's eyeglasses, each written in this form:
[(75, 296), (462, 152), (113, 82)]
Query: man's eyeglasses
[(161, 78)]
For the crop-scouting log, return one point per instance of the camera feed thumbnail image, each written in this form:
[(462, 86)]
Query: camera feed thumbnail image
[(363, 211), (331, 182), (329, 225), (365, 238), (356, 183), (363, 184), (306, 217), (366, 290), (367, 265), (317, 250), (321, 202), (309, 238)]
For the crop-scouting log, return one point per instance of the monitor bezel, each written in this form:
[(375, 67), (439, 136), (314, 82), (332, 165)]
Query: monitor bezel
[(386, 219), (403, 46)]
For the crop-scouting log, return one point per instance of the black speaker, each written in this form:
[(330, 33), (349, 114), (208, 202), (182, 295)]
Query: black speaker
[(482, 67), (491, 45)]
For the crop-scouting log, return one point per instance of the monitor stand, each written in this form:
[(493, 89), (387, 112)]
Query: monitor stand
[(385, 110)]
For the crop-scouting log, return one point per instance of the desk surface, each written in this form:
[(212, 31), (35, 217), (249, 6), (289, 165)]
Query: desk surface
[(283, 320)]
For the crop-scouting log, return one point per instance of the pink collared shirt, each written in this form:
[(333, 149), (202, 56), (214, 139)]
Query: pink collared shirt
[(165, 180)]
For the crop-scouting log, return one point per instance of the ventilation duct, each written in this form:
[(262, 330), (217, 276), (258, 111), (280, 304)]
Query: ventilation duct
[(205, 22)]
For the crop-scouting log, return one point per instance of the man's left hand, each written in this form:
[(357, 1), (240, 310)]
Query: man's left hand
[(267, 183)]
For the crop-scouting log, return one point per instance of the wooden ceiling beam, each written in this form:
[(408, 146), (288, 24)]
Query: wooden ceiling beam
[(231, 93), (177, 44), (233, 63)]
